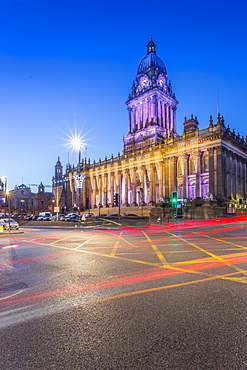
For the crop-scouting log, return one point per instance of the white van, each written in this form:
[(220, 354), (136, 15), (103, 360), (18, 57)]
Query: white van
[(43, 215)]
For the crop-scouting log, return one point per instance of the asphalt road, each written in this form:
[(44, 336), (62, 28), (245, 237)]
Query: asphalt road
[(159, 297)]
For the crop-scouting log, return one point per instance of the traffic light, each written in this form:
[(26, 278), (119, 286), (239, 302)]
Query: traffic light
[(116, 199), (174, 197)]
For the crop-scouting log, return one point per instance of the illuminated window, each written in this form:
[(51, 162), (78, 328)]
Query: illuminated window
[(205, 162), (192, 165)]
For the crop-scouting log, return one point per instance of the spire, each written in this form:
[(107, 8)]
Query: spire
[(151, 46)]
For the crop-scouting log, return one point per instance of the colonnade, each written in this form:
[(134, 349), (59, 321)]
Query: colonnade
[(151, 110), (194, 174)]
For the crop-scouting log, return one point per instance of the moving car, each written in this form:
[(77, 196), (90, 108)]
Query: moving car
[(9, 224)]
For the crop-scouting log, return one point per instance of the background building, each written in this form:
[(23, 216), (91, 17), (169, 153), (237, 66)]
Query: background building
[(156, 160), (24, 201)]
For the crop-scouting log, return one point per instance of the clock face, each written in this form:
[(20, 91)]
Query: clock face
[(161, 81), (144, 81)]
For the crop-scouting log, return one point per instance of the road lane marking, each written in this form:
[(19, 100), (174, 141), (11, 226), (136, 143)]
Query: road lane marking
[(163, 265), (115, 247), (126, 241), (60, 240), (210, 254), (222, 241), (80, 245), (10, 246), (158, 253), (123, 295)]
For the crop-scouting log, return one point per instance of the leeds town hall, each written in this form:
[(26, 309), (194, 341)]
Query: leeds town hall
[(209, 163)]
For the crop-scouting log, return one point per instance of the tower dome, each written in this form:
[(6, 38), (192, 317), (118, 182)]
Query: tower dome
[(151, 60)]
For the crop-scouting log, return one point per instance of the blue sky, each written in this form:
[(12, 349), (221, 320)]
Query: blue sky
[(69, 65)]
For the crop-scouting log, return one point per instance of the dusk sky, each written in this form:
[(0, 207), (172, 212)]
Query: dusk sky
[(68, 66)]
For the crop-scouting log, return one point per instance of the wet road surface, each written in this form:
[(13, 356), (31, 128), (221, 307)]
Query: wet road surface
[(160, 297)]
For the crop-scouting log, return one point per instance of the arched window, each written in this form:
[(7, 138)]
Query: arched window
[(180, 167), (205, 162), (192, 190), (192, 165), (205, 188)]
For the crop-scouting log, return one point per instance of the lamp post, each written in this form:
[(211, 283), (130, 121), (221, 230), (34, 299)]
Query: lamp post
[(4, 181), (8, 198), (76, 143)]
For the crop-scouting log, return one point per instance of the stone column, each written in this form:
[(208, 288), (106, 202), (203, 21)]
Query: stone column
[(119, 186), (174, 174), (211, 170), (133, 181), (185, 176), (112, 189), (168, 117), (134, 118), (166, 177), (100, 189), (219, 172), (151, 184), (143, 187), (155, 111), (171, 118), (244, 179), (175, 119), (93, 200), (198, 174), (129, 122), (161, 180), (126, 188)]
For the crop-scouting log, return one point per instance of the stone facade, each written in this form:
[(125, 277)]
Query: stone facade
[(156, 160), (24, 201)]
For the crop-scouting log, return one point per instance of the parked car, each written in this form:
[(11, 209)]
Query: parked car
[(129, 215), (34, 218), (9, 224), (86, 215), (61, 217), (72, 217), (114, 215), (27, 217), (57, 217), (101, 215), (44, 218)]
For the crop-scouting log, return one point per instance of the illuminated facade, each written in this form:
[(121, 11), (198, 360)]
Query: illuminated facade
[(156, 160)]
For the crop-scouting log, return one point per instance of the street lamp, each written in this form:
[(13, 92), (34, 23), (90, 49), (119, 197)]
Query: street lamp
[(4, 181), (8, 198), (76, 143)]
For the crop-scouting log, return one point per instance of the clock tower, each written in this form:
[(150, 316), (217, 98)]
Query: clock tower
[(151, 104)]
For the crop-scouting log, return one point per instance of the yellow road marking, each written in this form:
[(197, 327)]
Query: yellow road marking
[(210, 254), (164, 263), (159, 254), (222, 241), (59, 240), (123, 295), (116, 245), (12, 295)]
